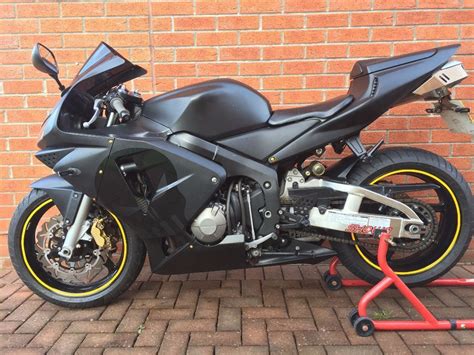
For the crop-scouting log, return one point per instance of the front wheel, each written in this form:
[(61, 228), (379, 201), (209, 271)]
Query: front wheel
[(104, 263), (446, 210)]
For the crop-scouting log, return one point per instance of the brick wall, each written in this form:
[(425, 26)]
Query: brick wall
[(294, 51)]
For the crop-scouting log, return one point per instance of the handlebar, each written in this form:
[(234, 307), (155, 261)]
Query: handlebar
[(117, 105)]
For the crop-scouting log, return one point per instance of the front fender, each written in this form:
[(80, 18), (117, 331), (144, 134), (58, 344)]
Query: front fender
[(63, 194)]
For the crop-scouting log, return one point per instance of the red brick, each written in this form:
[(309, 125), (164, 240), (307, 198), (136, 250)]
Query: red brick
[(106, 24), (457, 17), (216, 6), (238, 23), (327, 20), (217, 69), (325, 51), (259, 68), (19, 26), (416, 17), (326, 81), (372, 19), (438, 4), (9, 42), (446, 136), (467, 32), (7, 11), (129, 9), (343, 5), (283, 52), (196, 54), (239, 53), (37, 10), (82, 9), (392, 33), (215, 338), (308, 36), (194, 23), (83, 40), (400, 4), (13, 130), (124, 340), (254, 332), (22, 87), (282, 21), (128, 40), (194, 325), (409, 136), (348, 35), (217, 38), (175, 69), (61, 25), (261, 6), (437, 32), (261, 37), (370, 50), (304, 6)]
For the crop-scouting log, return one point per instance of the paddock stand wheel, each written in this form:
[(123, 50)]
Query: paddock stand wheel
[(353, 315), (333, 282), (365, 326), (332, 271)]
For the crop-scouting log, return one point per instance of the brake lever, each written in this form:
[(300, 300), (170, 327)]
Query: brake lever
[(98, 107)]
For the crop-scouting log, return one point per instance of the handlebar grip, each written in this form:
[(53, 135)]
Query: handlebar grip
[(117, 104)]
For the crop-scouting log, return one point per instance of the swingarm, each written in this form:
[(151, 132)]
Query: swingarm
[(349, 218)]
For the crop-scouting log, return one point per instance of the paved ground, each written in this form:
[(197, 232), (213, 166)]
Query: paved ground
[(273, 310)]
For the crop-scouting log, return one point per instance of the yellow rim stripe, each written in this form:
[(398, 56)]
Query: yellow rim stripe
[(55, 290), (456, 235)]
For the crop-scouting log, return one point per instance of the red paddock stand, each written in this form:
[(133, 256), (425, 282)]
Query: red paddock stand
[(335, 282), (365, 326)]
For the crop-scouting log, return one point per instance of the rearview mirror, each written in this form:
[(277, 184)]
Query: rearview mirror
[(44, 60)]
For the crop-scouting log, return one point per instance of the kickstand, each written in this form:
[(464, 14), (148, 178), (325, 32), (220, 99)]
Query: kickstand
[(365, 326)]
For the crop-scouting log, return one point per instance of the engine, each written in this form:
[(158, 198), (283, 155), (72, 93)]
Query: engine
[(209, 227), (237, 209)]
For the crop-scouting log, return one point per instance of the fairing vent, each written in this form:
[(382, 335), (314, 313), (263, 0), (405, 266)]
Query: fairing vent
[(50, 157)]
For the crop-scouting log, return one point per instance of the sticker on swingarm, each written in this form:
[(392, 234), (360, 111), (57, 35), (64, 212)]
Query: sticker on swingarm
[(370, 230), (362, 225)]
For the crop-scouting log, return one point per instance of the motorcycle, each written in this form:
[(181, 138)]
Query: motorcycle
[(210, 177)]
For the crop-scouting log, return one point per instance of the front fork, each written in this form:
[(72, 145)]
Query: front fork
[(77, 229), (81, 225)]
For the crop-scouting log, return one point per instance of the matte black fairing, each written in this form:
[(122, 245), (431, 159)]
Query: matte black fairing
[(374, 94), (210, 110)]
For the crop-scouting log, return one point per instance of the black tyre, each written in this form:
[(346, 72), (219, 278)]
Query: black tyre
[(449, 208), (95, 275)]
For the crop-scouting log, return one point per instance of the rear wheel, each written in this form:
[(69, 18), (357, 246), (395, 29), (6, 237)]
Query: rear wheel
[(103, 264), (446, 211)]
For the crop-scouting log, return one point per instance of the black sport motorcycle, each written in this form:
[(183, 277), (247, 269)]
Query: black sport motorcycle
[(209, 177)]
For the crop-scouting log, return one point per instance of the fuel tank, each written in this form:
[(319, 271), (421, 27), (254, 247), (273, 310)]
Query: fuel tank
[(211, 110)]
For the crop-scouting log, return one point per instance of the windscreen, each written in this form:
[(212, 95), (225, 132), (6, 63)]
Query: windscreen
[(104, 69)]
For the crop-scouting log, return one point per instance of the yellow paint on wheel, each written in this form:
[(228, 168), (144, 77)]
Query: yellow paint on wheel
[(64, 293), (456, 234)]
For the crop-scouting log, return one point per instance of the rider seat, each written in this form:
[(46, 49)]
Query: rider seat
[(322, 110)]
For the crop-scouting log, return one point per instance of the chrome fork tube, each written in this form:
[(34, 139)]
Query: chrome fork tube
[(78, 228)]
